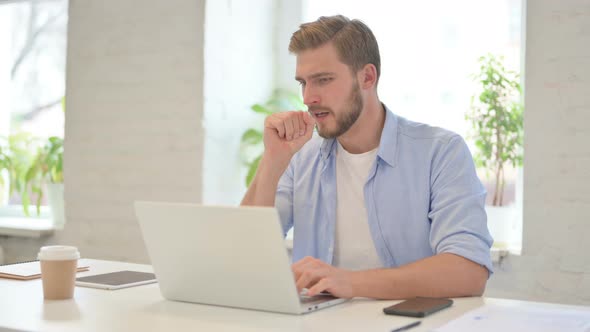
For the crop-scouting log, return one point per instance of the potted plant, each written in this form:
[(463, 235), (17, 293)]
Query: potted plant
[(496, 117), (33, 166), (19, 152), (4, 169), (48, 165), (251, 141)]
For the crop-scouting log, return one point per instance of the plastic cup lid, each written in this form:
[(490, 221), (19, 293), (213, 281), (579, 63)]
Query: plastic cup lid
[(58, 253)]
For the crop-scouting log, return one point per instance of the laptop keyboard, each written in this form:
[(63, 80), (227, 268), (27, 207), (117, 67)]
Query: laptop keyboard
[(304, 299)]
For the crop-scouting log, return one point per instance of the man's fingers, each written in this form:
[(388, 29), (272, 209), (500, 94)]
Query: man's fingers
[(307, 278), (291, 125), (304, 261), (296, 128), (309, 123), (320, 286), (317, 277), (288, 127), (302, 281), (276, 124), (302, 125), (301, 266), (308, 118), (307, 271)]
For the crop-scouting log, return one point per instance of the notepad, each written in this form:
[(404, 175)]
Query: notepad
[(30, 270), (533, 317)]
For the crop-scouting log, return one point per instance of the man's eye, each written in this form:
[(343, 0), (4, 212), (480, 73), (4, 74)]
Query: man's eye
[(324, 80)]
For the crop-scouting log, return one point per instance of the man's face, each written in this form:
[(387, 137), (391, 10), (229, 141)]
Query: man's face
[(330, 91)]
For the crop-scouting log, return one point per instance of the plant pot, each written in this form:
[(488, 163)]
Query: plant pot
[(55, 198), (4, 193), (503, 224)]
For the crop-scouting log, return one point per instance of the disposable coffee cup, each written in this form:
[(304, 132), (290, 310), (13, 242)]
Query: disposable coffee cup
[(58, 271)]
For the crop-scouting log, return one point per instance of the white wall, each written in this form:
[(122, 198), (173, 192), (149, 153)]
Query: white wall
[(134, 121), (555, 265)]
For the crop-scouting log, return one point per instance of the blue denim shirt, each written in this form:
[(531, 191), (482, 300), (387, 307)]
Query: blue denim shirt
[(422, 197)]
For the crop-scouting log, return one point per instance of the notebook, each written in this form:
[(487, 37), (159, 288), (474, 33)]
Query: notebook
[(30, 270)]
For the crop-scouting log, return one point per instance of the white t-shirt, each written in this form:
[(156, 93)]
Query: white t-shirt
[(353, 247)]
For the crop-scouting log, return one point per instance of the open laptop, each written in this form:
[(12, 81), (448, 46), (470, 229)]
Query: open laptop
[(228, 256)]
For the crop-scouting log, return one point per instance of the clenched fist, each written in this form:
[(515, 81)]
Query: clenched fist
[(285, 133)]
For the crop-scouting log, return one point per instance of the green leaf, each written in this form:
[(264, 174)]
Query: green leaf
[(39, 192), (252, 137), (252, 170), (25, 201), (261, 109)]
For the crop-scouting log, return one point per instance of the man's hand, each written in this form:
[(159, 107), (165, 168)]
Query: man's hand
[(285, 133), (317, 276)]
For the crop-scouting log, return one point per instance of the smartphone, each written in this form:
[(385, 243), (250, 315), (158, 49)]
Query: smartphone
[(418, 307)]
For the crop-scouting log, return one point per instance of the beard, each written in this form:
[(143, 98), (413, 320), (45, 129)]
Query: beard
[(346, 119)]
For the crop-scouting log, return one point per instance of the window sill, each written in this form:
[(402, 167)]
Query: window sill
[(26, 227), (498, 254)]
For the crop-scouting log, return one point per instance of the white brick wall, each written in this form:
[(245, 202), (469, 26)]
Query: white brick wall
[(134, 117), (556, 262)]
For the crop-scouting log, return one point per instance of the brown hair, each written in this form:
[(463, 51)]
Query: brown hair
[(355, 43)]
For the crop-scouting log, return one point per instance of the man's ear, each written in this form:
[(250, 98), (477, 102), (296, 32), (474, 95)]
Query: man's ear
[(367, 76)]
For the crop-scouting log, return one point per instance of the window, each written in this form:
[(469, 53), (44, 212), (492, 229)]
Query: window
[(32, 74), (429, 50)]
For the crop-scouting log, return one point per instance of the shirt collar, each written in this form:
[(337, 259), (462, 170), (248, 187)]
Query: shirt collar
[(327, 148), (389, 136), (387, 144)]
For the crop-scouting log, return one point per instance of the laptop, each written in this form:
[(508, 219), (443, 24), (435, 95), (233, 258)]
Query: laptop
[(226, 256)]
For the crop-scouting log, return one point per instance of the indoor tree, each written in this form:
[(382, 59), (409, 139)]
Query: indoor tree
[(496, 116)]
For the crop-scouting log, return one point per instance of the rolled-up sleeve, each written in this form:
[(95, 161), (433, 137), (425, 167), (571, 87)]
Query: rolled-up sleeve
[(457, 209), (284, 199)]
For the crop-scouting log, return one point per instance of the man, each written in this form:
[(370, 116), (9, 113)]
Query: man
[(382, 207)]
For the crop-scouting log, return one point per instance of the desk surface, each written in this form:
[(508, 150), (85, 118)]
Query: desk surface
[(143, 309)]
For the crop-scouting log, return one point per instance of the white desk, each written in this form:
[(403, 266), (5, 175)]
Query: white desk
[(143, 309)]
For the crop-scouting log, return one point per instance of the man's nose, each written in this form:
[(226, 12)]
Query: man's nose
[(310, 98)]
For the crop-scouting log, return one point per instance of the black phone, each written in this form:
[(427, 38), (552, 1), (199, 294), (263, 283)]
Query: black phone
[(418, 307)]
